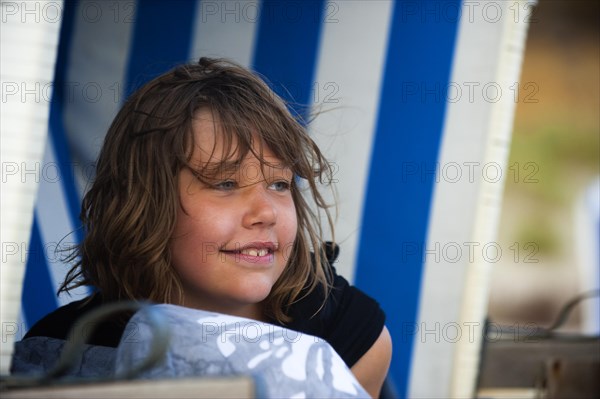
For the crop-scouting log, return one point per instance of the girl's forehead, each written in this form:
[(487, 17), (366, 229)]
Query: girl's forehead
[(212, 144), (207, 132)]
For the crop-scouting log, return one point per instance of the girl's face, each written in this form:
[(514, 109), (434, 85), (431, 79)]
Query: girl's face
[(233, 237)]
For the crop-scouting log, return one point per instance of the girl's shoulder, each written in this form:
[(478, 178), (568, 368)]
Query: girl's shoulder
[(350, 320)]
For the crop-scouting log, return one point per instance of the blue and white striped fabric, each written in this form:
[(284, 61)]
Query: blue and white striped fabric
[(413, 91)]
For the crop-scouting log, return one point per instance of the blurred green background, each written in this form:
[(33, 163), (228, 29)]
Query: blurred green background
[(555, 155)]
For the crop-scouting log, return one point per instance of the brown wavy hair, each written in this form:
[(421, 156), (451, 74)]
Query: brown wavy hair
[(129, 213)]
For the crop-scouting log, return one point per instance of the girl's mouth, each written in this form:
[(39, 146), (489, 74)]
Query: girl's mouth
[(250, 252), (256, 249)]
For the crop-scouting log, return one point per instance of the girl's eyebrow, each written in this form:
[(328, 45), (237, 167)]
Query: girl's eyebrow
[(282, 168), (215, 169), (277, 169), (222, 169)]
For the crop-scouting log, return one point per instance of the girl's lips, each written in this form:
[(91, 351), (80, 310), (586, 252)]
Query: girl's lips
[(265, 259), (253, 248)]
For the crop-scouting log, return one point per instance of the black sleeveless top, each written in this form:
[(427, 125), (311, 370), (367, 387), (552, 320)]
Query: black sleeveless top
[(350, 320)]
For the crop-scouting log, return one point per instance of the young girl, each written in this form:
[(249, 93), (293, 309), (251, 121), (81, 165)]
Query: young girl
[(206, 196)]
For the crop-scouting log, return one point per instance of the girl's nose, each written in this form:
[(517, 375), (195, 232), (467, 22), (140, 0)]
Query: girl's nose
[(260, 208)]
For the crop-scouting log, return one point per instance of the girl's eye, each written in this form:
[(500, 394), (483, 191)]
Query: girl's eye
[(226, 185), (281, 185)]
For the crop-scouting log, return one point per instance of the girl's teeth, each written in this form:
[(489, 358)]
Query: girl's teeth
[(255, 252)]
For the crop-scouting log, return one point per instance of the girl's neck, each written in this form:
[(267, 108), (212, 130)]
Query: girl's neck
[(254, 311)]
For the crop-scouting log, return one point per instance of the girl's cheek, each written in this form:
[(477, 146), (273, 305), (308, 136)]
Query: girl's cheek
[(291, 228)]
